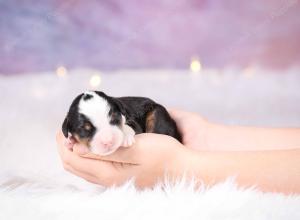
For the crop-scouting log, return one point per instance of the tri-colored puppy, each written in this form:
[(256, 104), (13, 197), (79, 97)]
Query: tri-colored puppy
[(105, 123)]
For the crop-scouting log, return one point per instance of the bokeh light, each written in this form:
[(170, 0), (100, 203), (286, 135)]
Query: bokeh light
[(95, 80), (61, 71), (249, 72), (195, 65)]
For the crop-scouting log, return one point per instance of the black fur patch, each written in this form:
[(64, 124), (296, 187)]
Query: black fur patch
[(77, 123), (115, 118), (87, 97)]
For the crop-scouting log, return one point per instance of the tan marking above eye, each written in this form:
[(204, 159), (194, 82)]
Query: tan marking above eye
[(87, 126), (84, 141)]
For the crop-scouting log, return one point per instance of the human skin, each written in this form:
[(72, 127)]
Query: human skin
[(200, 134), (208, 154)]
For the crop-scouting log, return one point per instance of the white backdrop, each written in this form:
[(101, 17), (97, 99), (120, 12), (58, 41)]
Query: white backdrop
[(34, 105)]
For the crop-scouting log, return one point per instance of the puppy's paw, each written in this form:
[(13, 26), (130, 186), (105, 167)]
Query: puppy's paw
[(128, 140), (128, 136)]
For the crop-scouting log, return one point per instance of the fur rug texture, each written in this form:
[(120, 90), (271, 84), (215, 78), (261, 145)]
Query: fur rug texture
[(33, 184)]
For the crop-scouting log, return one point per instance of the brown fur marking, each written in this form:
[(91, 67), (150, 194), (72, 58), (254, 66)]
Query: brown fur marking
[(150, 121), (84, 141)]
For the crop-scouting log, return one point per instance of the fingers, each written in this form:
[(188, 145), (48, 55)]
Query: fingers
[(60, 140), (88, 166), (59, 137), (95, 171), (69, 142), (146, 150), (180, 117), (176, 113)]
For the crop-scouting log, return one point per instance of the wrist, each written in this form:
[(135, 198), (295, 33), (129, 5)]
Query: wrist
[(189, 164), (202, 167)]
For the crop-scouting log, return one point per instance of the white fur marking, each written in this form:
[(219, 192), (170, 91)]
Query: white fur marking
[(96, 109)]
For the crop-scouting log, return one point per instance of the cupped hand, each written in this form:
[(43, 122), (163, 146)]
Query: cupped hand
[(147, 161), (193, 128)]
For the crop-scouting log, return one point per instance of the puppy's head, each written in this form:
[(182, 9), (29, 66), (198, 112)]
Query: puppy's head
[(95, 120)]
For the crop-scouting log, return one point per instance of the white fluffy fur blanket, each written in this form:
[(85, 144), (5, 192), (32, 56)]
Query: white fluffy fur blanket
[(33, 184), (44, 200)]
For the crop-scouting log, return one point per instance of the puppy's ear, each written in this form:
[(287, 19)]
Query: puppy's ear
[(66, 127), (119, 106)]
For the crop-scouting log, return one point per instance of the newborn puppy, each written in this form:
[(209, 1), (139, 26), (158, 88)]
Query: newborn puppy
[(105, 123)]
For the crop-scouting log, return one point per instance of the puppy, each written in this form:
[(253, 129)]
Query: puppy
[(105, 123)]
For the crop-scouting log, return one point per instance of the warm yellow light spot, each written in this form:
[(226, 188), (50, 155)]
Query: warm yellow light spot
[(61, 71), (195, 66), (249, 72), (95, 80)]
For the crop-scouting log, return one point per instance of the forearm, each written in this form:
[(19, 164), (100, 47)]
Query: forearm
[(277, 171), (222, 137)]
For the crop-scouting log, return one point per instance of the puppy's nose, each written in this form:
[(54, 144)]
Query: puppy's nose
[(107, 144), (106, 138)]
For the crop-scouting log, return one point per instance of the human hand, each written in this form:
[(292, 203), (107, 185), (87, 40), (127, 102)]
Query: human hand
[(192, 127), (147, 161)]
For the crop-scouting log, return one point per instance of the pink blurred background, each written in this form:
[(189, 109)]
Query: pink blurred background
[(113, 34), (233, 62)]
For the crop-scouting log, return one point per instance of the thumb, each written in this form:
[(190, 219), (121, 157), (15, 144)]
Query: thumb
[(121, 155), (129, 155), (145, 144)]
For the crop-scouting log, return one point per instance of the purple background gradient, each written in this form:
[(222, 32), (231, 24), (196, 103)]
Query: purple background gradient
[(41, 35)]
